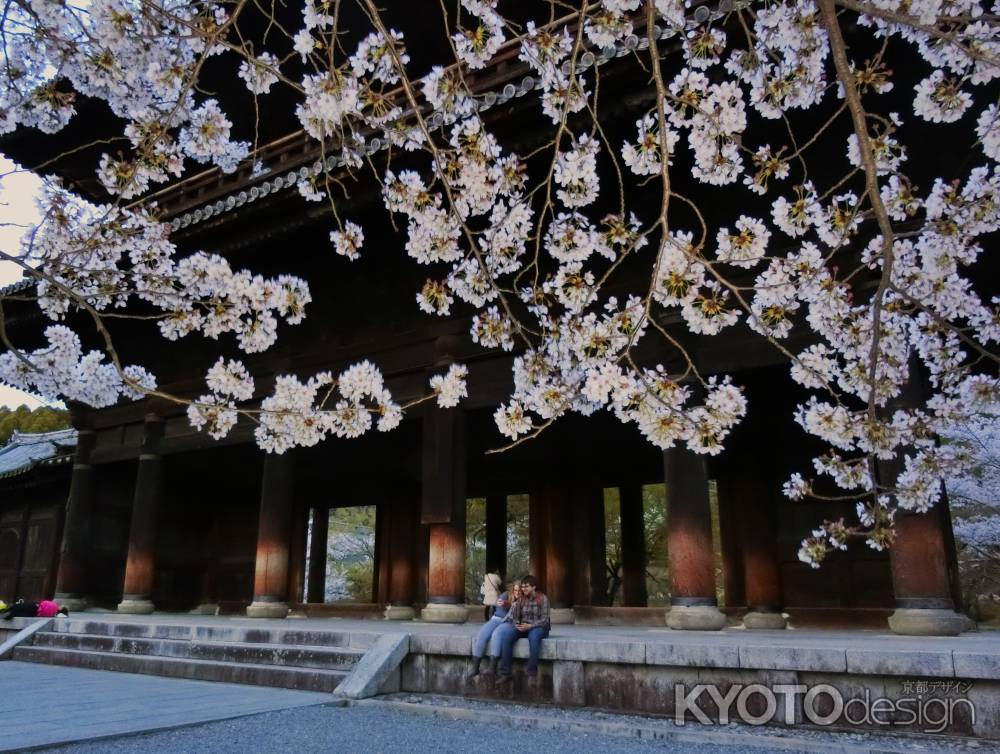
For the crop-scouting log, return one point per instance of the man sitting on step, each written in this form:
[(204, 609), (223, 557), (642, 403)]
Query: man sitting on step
[(528, 618)]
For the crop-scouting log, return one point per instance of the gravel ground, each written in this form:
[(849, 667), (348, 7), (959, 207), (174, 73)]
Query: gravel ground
[(364, 729), (767, 737)]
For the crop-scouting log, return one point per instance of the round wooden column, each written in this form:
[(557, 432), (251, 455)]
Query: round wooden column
[(689, 543), (762, 577), (270, 585), (140, 567), (446, 572), (920, 578), (921, 556), (297, 554), (402, 574), (557, 543), (71, 579), (442, 504), (633, 545), (317, 555), (589, 558)]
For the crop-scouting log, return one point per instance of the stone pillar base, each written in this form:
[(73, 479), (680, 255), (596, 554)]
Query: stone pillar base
[(927, 622), (764, 620), (562, 615), (135, 607), (400, 612), (696, 618), (72, 602), (267, 610), (442, 613), (205, 608)]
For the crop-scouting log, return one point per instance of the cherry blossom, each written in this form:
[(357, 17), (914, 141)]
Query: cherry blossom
[(768, 189)]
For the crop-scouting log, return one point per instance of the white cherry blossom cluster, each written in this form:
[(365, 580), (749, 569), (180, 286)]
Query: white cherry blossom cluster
[(105, 257), (62, 368), (476, 45)]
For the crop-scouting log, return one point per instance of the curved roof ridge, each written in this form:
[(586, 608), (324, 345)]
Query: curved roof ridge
[(25, 450)]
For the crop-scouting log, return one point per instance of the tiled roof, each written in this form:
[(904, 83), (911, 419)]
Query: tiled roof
[(25, 450), (17, 286)]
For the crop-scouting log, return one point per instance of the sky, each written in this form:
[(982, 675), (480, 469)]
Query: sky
[(17, 209)]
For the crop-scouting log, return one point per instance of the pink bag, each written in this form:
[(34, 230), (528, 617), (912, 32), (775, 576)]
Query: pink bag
[(48, 609)]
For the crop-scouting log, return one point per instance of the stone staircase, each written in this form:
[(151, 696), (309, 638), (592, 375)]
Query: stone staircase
[(282, 657)]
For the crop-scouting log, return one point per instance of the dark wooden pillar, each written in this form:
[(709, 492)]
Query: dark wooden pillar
[(919, 563), (208, 600), (496, 533), (537, 524), (633, 545), (446, 566), (689, 543), (383, 542), (557, 547), (403, 536), (71, 579), (317, 555), (920, 578), (270, 584), (443, 509), (297, 555), (581, 499), (589, 536), (922, 554), (140, 567), (213, 547), (762, 576), (731, 525)]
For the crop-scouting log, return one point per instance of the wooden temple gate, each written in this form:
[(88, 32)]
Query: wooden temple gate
[(152, 523)]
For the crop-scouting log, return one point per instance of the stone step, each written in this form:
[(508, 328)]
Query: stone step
[(230, 633), (322, 658), (287, 636), (302, 679)]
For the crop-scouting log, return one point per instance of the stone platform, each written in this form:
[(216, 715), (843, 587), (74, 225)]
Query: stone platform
[(625, 668)]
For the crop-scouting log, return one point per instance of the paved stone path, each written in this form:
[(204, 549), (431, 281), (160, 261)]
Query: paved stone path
[(44, 704), (368, 730)]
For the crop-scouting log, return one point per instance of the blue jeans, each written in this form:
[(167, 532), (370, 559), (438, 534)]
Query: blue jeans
[(483, 638), (508, 634)]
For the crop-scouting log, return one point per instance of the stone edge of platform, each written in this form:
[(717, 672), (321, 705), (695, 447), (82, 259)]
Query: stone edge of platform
[(973, 661), (29, 627)]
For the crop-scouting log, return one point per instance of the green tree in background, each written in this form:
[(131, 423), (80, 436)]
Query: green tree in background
[(24, 419), (475, 547), (351, 554), (475, 543), (655, 534)]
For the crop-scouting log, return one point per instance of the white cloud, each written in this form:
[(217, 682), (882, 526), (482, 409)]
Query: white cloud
[(12, 398), (17, 210)]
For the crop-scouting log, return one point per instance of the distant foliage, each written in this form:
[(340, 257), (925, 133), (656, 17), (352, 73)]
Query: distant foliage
[(975, 506), (24, 419), (350, 554)]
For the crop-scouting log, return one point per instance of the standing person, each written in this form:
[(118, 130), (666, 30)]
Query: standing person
[(487, 634), (529, 618), (492, 587)]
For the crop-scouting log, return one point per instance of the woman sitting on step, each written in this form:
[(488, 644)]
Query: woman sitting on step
[(486, 633)]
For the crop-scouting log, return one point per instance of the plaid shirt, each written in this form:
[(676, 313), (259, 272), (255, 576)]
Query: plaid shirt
[(533, 610)]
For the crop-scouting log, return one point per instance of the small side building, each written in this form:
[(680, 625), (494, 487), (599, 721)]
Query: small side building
[(35, 472)]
